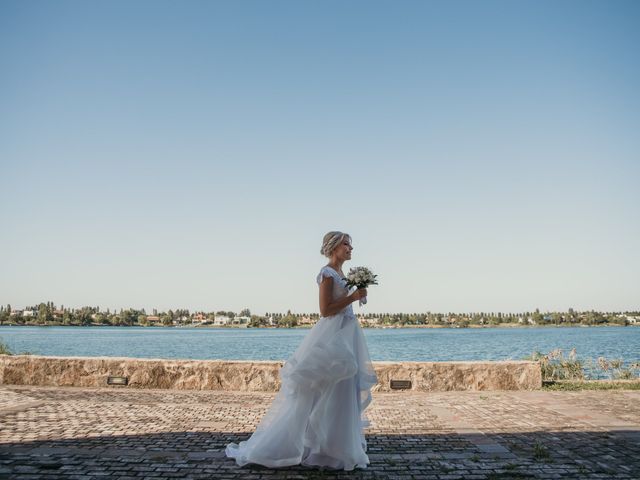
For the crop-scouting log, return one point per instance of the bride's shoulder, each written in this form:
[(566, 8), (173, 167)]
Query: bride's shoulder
[(326, 269), (325, 272)]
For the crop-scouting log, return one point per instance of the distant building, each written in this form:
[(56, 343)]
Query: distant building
[(631, 319), (367, 320), (221, 320), (305, 320), (28, 313)]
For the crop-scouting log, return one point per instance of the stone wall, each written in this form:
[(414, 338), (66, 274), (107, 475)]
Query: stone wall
[(254, 375)]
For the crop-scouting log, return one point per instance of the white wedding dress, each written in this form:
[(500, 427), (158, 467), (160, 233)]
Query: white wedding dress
[(317, 417)]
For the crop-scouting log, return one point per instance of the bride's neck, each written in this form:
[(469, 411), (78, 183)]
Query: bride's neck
[(336, 265)]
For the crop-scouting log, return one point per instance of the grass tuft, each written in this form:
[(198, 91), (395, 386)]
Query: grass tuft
[(568, 385), (4, 349), (540, 452)]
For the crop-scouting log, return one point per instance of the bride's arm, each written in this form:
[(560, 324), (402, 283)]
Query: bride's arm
[(329, 308)]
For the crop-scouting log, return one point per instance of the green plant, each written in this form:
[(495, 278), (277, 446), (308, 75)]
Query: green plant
[(568, 385), (626, 373), (555, 366), (619, 372), (4, 349), (540, 452)]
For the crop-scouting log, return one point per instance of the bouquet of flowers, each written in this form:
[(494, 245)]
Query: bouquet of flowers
[(361, 277)]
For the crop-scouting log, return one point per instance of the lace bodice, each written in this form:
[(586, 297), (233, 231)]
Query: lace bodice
[(340, 288)]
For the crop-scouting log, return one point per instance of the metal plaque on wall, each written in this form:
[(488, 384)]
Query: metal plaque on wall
[(400, 384), (117, 380)]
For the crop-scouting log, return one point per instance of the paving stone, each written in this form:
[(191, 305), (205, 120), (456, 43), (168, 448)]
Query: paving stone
[(83, 433)]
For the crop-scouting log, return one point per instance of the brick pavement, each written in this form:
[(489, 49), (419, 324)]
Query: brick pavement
[(120, 433)]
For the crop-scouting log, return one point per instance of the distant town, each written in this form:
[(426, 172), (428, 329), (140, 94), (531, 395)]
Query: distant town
[(48, 314)]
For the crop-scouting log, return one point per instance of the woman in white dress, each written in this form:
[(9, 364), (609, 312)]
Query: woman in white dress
[(317, 417)]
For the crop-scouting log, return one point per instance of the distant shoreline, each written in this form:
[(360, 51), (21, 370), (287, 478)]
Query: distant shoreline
[(302, 327)]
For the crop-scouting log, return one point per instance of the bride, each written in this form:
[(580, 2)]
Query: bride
[(317, 417)]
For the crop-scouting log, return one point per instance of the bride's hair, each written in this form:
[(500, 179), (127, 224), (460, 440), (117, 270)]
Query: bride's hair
[(331, 240)]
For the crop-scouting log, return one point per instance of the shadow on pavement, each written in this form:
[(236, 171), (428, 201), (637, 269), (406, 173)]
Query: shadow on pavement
[(535, 454)]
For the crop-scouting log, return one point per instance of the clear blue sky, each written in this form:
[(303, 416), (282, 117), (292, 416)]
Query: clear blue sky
[(484, 156)]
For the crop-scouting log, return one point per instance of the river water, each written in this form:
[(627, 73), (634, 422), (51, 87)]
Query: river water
[(393, 344)]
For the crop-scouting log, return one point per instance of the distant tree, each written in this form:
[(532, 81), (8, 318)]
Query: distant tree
[(288, 321), (83, 316), (128, 317), (537, 317), (257, 321), (594, 318), (45, 314), (615, 319)]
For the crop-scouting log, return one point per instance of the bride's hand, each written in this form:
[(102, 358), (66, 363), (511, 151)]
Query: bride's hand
[(359, 294)]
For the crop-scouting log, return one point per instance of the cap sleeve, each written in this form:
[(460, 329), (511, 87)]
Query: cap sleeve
[(324, 272)]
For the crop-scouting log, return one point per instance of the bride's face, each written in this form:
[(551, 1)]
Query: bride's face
[(343, 250)]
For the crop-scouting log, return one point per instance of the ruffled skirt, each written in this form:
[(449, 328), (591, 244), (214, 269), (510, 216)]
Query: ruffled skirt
[(317, 417)]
